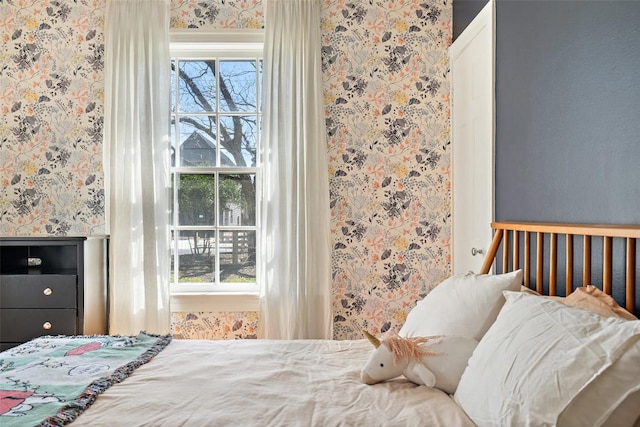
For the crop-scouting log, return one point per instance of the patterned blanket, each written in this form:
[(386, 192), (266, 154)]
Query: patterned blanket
[(50, 380)]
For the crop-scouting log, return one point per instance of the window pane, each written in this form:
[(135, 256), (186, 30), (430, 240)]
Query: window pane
[(238, 256), (173, 86), (237, 199), (197, 86), (172, 136), (260, 72), (196, 250), (238, 149), (215, 113), (171, 198), (198, 141), (173, 254), (238, 91), (196, 199)]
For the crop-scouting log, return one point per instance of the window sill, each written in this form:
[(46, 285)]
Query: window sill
[(208, 302)]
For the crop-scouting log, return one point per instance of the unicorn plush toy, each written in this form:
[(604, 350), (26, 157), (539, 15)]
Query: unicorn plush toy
[(436, 361)]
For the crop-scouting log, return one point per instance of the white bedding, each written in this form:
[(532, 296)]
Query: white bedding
[(267, 383)]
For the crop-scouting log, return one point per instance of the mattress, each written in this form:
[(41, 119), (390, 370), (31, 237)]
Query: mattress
[(266, 383)]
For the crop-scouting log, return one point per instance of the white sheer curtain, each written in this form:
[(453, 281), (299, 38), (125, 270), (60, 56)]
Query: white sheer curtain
[(137, 99), (295, 297)]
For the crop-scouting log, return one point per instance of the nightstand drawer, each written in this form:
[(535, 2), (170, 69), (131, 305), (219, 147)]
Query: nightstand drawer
[(20, 325), (38, 291)]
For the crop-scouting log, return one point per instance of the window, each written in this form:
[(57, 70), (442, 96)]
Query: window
[(215, 163)]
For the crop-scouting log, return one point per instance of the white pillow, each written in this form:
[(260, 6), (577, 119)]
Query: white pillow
[(449, 361), (617, 389), (537, 357), (627, 413), (464, 305)]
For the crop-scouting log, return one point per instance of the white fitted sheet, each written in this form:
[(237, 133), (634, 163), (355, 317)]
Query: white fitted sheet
[(267, 383)]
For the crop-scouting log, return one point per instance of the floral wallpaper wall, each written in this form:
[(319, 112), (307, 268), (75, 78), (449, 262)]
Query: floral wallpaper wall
[(52, 104), (386, 85), (218, 326), (207, 14), (51, 98)]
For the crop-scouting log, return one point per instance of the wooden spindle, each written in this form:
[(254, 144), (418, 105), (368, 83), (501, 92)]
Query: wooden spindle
[(527, 259), (491, 253), (607, 256), (539, 261), (586, 261), (553, 263), (569, 265), (630, 297), (516, 250), (505, 252)]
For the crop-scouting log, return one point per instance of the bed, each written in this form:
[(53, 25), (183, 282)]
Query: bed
[(548, 349)]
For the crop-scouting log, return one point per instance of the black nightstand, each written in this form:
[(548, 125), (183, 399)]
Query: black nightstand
[(41, 288)]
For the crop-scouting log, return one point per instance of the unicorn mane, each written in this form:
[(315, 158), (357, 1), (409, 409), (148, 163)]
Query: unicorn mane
[(409, 348)]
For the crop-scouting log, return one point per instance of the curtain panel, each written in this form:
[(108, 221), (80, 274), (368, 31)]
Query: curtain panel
[(295, 241), (137, 103)]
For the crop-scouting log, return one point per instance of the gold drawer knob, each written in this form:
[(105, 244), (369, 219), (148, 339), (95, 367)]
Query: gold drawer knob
[(47, 325), (47, 291)]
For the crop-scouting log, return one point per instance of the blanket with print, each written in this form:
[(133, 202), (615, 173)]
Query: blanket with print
[(50, 380)]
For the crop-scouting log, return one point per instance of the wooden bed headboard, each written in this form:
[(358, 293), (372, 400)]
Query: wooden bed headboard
[(512, 238)]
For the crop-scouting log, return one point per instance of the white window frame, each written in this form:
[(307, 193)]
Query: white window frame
[(226, 44)]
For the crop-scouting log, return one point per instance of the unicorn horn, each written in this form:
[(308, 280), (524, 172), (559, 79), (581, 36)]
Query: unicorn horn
[(373, 340)]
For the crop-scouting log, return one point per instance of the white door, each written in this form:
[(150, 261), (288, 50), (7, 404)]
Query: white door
[(472, 119)]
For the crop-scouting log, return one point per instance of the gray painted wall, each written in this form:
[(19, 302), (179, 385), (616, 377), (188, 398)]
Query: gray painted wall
[(567, 111), (567, 108)]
